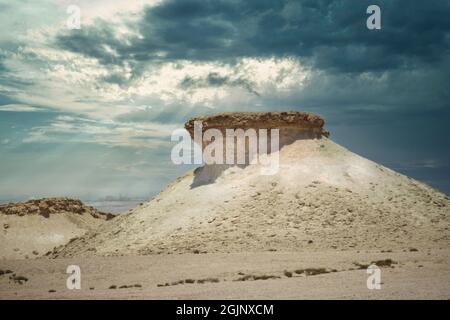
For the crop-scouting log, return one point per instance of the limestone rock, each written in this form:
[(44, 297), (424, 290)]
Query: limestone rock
[(47, 206), (268, 120)]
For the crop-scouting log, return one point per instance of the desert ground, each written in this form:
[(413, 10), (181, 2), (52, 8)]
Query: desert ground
[(329, 274)]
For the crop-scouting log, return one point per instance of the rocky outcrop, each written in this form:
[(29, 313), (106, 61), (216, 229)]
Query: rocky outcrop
[(292, 125), (47, 206), (268, 120)]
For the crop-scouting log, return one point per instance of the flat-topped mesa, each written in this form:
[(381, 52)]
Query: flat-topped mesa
[(292, 125), (267, 120), (249, 132)]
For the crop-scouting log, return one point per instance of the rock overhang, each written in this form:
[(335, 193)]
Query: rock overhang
[(256, 120), (291, 124)]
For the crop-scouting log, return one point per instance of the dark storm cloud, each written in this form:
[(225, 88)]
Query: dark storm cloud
[(330, 34), (116, 78), (97, 42), (214, 79)]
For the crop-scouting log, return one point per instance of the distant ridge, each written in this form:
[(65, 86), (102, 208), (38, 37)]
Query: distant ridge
[(30, 229)]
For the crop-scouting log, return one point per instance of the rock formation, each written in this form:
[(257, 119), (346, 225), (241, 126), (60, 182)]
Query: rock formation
[(323, 197), (291, 119), (293, 125), (32, 228), (47, 206)]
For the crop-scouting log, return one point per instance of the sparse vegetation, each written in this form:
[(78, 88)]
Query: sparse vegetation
[(189, 281), (288, 274), (213, 280), (130, 286), (256, 277), (163, 285), (384, 263), (313, 271), (2, 272), (18, 279), (361, 265)]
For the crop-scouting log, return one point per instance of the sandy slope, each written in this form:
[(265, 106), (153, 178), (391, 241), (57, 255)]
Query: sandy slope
[(324, 197)]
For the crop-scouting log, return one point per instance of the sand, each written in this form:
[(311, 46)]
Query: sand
[(422, 274)]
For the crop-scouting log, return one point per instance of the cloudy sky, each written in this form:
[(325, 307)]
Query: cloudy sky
[(89, 112)]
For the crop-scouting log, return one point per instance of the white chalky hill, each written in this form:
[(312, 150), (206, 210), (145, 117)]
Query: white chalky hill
[(323, 197)]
